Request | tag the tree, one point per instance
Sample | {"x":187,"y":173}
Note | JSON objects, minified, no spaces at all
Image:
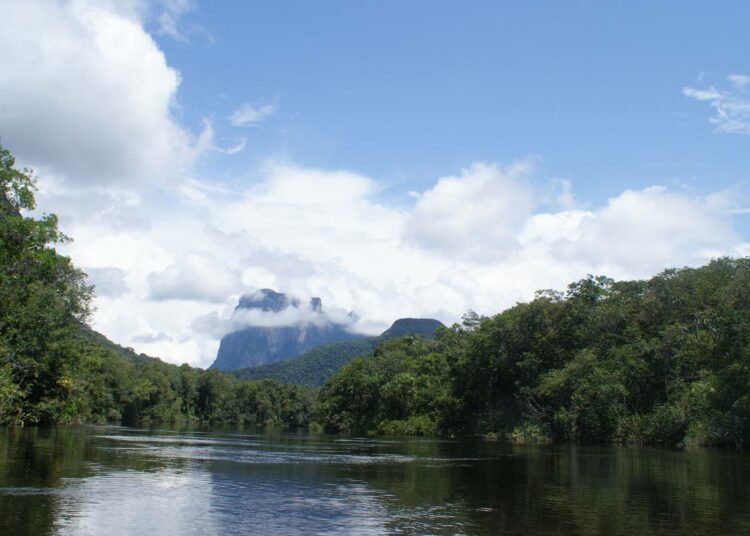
{"x":43,"y":301}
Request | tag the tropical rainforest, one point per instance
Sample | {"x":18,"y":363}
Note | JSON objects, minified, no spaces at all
{"x":662,"y":361}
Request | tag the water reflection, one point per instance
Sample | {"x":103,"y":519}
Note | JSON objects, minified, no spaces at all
{"x":130,"y":481}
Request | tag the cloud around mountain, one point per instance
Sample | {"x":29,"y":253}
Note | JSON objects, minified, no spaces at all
{"x":296,"y":311}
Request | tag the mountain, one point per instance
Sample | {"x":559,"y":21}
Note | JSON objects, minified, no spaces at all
{"x":315,"y":366}
{"x":279,"y":327}
{"x":425,"y":327}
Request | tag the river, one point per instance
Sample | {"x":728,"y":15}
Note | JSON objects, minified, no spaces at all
{"x":117,"y":480}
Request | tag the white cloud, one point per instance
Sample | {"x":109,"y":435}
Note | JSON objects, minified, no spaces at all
{"x":326,"y":233}
{"x":635,"y":234}
{"x":236,"y":148}
{"x":195,"y":276}
{"x":88,"y":95}
{"x":248,"y":113}
{"x":477,"y":214}
{"x":108,"y":281}
{"x":149,"y":338}
{"x":739,"y":81}
{"x":206,"y":141}
{"x":731,"y":106}
{"x":171,"y":12}
{"x":298,"y":313}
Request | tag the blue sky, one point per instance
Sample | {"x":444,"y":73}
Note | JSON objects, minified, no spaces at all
{"x":404,"y":91}
{"x":394,"y":158}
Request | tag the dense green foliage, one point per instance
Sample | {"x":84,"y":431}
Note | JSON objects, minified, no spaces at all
{"x":404,"y":387}
{"x":129,"y":387}
{"x":313,"y":367}
{"x":660,"y":361}
{"x":424,"y":327}
{"x":43,"y":300}
{"x":55,"y":369}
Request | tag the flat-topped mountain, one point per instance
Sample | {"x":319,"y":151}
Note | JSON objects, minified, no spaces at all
{"x":277,"y":327}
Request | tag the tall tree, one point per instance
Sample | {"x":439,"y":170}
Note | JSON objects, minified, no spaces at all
{"x":43,"y":300}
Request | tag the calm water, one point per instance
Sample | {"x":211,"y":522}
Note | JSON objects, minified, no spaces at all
{"x":108,"y":481}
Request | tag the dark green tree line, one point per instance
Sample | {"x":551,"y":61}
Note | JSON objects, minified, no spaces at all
{"x":660,"y":361}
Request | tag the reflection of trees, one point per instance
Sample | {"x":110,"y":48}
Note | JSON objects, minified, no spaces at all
{"x":581,"y":490}
{"x":317,"y":483}
{"x":568,"y":489}
{"x":34,"y":462}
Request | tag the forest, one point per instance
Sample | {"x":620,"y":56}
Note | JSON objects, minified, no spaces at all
{"x":662,"y":361}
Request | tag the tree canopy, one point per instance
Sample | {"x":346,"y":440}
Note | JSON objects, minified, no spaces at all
{"x":660,"y":361}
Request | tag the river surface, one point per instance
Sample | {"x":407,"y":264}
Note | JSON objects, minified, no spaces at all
{"x":113,"y":480}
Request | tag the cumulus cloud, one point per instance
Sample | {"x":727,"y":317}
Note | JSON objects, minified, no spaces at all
{"x":652,"y":228}
{"x":108,"y":281}
{"x":248,"y":113}
{"x":636,"y":233}
{"x":195,"y":276}
{"x":149,"y":338}
{"x":477,"y":214}
{"x":88,"y":95}
{"x":385,"y":261}
{"x":731,"y":105}
{"x":307,"y":231}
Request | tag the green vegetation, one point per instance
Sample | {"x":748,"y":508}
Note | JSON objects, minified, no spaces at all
{"x":424,"y":327}
{"x":313,"y":367}
{"x":662,"y":361}
{"x":54,"y":369}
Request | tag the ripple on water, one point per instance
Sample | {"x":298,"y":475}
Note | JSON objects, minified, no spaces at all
{"x":26,"y":491}
{"x":259,"y":452}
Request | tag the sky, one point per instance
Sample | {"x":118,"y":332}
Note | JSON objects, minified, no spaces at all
{"x":397,"y":159}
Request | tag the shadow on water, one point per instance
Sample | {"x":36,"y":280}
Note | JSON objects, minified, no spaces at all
{"x":105,"y":480}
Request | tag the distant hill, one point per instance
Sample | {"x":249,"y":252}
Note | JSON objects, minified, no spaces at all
{"x":97,"y":339}
{"x":425,"y":327}
{"x":315,"y":366}
{"x":299,"y":327}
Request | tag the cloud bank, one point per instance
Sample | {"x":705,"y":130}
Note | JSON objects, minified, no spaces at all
{"x":300,"y":312}
{"x":330,"y":233}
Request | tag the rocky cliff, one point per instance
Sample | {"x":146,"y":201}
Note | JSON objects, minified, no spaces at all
{"x":279,"y":328}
